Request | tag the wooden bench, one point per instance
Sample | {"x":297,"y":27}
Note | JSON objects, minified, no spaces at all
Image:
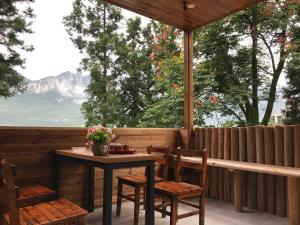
{"x":31,"y":195}
{"x":238,"y":168}
{"x":60,"y":212}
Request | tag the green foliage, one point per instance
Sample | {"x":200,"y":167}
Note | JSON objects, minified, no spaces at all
{"x":243,"y":57}
{"x":93,"y":27}
{"x":15,"y":19}
{"x":137,"y":72}
{"x":292,"y":91}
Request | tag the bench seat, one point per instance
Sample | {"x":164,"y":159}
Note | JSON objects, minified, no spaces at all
{"x":50,"y":213}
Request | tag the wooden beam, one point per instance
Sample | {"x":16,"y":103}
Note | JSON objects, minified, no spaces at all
{"x":188,"y":85}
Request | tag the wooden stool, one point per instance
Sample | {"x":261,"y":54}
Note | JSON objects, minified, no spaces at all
{"x":60,"y":212}
{"x":139,"y":182}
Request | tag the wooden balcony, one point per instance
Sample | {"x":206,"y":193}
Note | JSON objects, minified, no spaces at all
{"x":264,"y":197}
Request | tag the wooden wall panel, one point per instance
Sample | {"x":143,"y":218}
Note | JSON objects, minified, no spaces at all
{"x":31,"y":149}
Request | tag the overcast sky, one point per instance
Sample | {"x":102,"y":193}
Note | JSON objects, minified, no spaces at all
{"x":53,"y":52}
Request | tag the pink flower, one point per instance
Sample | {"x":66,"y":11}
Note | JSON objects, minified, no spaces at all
{"x":213,"y":99}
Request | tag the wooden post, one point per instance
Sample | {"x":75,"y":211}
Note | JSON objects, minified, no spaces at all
{"x":188,"y":85}
{"x":280,"y":181}
{"x":252,"y":178}
{"x":227,"y":152}
{"x":293,"y":201}
{"x":243,"y":158}
{"x":270,"y":159}
{"x":294,"y":183}
{"x":238,"y":191}
{"x":260,"y":158}
{"x":214,"y":171}
{"x":221,"y":170}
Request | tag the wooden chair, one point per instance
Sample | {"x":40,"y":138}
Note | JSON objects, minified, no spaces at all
{"x":177,"y":191}
{"x":138,"y":182}
{"x":60,"y":212}
{"x":31,"y":195}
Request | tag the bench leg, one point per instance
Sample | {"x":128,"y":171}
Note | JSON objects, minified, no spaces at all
{"x":294,"y":201}
{"x":238,"y":191}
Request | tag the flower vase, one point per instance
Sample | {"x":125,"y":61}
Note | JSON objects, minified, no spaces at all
{"x":99,"y":149}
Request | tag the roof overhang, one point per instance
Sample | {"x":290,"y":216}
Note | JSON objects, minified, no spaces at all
{"x":185,"y":14}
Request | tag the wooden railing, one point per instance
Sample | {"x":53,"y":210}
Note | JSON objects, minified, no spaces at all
{"x":31,"y":150}
{"x":279,"y":145}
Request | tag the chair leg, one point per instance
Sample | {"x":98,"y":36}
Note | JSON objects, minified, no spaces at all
{"x":174,"y":211}
{"x":119,"y":198}
{"x":164,"y":208}
{"x":137,"y":203}
{"x":202,"y":209}
{"x":144,"y":198}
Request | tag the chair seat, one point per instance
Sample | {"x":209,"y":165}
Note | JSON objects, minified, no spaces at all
{"x":178,"y":189}
{"x":137,"y":179}
{"x":62,"y":211}
{"x":34,"y":195}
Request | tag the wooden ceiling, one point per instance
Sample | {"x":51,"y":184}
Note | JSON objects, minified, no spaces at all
{"x":172,"y":12}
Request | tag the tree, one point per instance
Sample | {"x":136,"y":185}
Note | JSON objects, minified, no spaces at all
{"x":167,"y":109}
{"x":15,"y":19}
{"x":93,"y":27}
{"x":243,"y":56}
{"x":292,"y":91}
{"x":137,"y":79}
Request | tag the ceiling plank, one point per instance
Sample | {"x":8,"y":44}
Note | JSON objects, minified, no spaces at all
{"x":172,"y":12}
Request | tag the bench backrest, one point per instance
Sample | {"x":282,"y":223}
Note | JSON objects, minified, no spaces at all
{"x":201,"y":167}
{"x":8,"y":203}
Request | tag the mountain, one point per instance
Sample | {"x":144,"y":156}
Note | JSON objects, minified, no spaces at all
{"x":68,"y":85}
{"x":51,"y":101}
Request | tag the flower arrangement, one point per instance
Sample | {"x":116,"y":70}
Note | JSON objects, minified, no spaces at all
{"x":98,"y":138}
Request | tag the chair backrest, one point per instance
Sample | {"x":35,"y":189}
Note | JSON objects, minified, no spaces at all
{"x":8,"y":203}
{"x":163,"y":161}
{"x":180,"y":163}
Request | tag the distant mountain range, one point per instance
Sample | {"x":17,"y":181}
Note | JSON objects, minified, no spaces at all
{"x":51,"y":101}
{"x":56,"y":101}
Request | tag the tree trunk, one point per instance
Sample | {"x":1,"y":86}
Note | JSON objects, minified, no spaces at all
{"x":254,"y":114}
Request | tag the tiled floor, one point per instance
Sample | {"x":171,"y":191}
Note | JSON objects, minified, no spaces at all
{"x":217,"y":213}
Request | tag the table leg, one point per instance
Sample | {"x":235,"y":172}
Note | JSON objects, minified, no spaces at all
{"x":149,"y":219}
{"x":91,"y":177}
{"x":56,"y":172}
{"x":107,"y":196}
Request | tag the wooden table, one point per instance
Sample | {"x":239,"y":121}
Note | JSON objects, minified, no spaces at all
{"x":108,"y":164}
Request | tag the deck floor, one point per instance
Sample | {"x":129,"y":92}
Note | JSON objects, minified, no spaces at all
{"x":217,"y":213}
